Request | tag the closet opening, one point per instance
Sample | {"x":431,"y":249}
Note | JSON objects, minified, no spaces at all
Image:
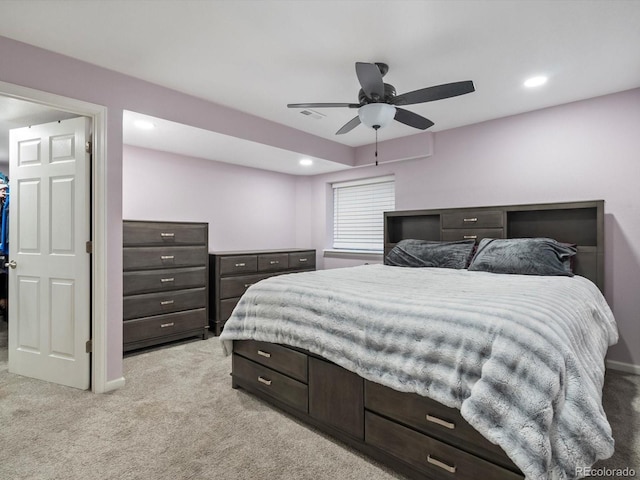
{"x":20,"y":108}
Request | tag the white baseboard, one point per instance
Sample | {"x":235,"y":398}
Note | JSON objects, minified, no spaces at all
{"x":623,"y":367}
{"x":113,"y":384}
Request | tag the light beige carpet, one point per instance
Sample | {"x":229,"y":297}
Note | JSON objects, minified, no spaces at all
{"x":178,"y":418}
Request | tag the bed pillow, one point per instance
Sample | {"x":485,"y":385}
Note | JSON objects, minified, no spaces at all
{"x":423,"y":253}
{"x":524,"y":256}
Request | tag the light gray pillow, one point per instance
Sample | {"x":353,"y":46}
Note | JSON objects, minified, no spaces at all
{"x":423,"y":253}
{"x":524,"y":256}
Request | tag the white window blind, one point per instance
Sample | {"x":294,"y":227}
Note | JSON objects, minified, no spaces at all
{"x":358,"y":206}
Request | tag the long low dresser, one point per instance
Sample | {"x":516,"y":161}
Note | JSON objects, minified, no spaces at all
{"x":165,"y":282}
{"x":232,"y":272}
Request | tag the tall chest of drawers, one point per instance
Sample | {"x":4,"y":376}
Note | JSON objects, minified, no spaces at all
{"x":165,"y":282}
{"x":231,"y":273}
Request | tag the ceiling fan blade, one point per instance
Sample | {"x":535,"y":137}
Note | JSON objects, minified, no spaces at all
{"x":437,"y":92}
{"x":370,"y":80}
{"x":350,"y":125}
{"x":412,"y":119}
{"x":322,"y":105}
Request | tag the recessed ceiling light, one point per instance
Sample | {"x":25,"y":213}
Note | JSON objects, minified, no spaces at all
{"x":144,"y":125}
{"x":535,"y":81}
{"x":306,"y":162}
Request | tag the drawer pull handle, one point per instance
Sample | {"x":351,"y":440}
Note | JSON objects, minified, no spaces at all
{"x":274,"y":262}
{"x":167,"y":257}
{"x":167,"y":302}
{"x":438,"y":463}
{"x":470,"y":220}
{"x":165,"y":280}
{"x":439,"y":421}
{"x":264,"y":354}
{"x":265,"y":381}
{"x":303,"y":260}
{"x":470,"y":237}
{"x":241,"y":264}
{"x":165,"y":325}
{"x":167,"y":235}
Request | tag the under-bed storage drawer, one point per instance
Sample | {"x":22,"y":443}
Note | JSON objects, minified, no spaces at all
{"x":274,"y":356}
{"x":436,"y":459}
{"x":432,"y":418}
{"x":254,"y":376}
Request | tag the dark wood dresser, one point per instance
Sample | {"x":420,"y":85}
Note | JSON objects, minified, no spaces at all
{"x":231,"y":273}
{"x":165,"y":282}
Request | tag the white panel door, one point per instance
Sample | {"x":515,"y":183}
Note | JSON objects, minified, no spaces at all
{"x":49,"y":278}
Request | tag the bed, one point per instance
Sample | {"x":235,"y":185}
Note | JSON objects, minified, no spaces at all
{"x":444,"y":372}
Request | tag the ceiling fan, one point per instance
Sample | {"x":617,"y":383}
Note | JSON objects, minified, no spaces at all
{"x":379,"y":104}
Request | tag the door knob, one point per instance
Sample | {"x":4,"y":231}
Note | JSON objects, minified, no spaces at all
{"x":11,"y":264}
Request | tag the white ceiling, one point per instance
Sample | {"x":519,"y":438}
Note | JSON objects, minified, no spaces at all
{"x":258,"y":55}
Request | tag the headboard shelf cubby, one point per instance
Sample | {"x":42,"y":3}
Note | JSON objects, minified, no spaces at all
{"x":579,"y":223}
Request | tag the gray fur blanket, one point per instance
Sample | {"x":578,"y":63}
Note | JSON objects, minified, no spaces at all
{"x":521,"y":356}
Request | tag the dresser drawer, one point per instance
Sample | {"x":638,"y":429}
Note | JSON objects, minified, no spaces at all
{"x":432,"y":418}
{"x":436,"y":459}
{"x":236,"y":286}
{"x":163,"y":233}
{"x":226,"y":308}
{"x":134,"y":258}
{"x":161,"y":325}
{"x":239,"y":264}
{"x":272,"y":262}
{"x":281,"y":387}
{"x":473,"y":219}
{"x":302,"y":260}
{"x":477,"y":234}
{"x":276,"y":357}
{"x":144,"y":305}
{"x":162,"y":280}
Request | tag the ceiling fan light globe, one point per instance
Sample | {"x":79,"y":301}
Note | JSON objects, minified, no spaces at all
{"x":376,"y":115}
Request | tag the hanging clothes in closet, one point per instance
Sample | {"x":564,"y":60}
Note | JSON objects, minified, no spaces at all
{"x":4,"y":243}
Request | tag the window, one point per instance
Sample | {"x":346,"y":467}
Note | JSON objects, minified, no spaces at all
{"x":358,"y":206}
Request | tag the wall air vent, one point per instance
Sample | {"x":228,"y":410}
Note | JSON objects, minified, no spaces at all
{"x":313,"y":114}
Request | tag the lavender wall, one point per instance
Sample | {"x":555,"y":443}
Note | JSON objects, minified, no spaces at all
{"x":46,"y":71}
{"x":586,"y":150}
{"x":246,"y":208}
{"x":581,"y":151}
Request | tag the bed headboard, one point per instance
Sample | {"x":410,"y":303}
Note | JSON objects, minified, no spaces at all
{"x":580,"y":223}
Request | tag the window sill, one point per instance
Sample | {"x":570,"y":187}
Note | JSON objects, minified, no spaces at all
{"x":333,"y":253}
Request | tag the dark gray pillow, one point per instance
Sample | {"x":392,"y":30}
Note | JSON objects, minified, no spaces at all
{"x":525,"y":256}
{"x":423,"y":253}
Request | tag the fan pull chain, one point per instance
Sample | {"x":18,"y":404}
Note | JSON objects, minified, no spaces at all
{"x":376,"y":147}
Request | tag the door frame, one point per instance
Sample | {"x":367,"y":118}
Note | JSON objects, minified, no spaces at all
{"x":98,"y":115}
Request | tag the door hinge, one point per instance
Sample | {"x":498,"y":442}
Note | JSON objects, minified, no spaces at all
{"x":87,"y":147}
{"x":89,"y":346}
{"x":89,"y":246}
